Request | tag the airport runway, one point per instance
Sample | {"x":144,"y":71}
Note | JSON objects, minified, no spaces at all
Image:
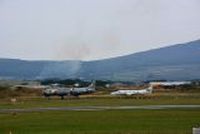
{"x":98,"y":108}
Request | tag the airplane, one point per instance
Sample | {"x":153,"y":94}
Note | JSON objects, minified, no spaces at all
{"x":83,"y":90}
{"x":57,"y":90}
{"x":133,"y":92}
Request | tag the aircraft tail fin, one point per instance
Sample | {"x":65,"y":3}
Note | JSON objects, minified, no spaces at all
{"x":150,"y":89}
{"x":92,"y":85}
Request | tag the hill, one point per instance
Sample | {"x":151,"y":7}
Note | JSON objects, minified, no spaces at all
{"x":176,"y":62}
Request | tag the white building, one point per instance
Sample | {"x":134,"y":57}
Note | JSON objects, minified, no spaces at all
{"x":173,"y":83}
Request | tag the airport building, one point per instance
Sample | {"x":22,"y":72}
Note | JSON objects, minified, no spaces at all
{"x":172,"y":84}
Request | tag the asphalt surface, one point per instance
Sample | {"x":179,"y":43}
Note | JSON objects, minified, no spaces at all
{"x":98,"y":108}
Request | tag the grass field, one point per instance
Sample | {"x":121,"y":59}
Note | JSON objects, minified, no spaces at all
{"x":166,"y":99}
{"x":101,"y":122}
{"x":170,"y":121}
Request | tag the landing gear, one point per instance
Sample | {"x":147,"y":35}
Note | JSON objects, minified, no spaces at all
{"x":62,"y":97}
{"x":47,"y":96}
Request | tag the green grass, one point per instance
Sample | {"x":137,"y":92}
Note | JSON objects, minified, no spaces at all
{"x":172,"y":121}
{"x":56,"y":102}
{"x":102,"y":122}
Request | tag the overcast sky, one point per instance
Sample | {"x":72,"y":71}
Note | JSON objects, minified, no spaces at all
{"x":93,"y":29}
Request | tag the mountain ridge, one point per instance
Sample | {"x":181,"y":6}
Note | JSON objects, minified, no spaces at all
{"x":175,"y":62}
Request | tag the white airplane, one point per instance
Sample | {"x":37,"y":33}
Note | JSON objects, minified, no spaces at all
{"x":133,"y":92}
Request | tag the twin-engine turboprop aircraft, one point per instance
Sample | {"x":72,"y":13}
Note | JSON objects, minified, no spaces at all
{"x":83,"y":90}
{"x":63,"y":91}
